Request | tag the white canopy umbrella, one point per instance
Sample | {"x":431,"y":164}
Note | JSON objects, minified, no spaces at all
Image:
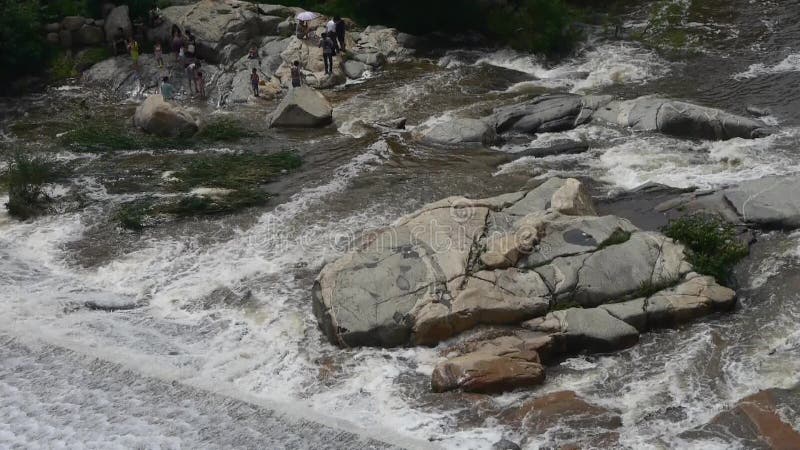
{"x":307,"y":15}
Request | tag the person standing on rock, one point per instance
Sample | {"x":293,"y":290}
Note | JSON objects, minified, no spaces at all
{"x":190,"y":74}
{"x":158,"y":53}
{"x":341,"y":32}
{"x":297,"y":75}
{"x":200,"y":82}
{"x":191,"y":44}
{"x":254,"y":80}
{"x":167,"y":90}
{"x":328,"y":50}
{"x":330,"y":27}
{"x":133,"y":47}
{"x":302,"y":29}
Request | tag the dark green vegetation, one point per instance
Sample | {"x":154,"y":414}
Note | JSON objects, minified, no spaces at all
{"x":712,"y":244}
{"x":616,"y":238}
{"x":237,"y":179}
{"x":544,"y":26}
{"x":97,"y":135}
{"x":25,"y":180}
{"x":23,"y":50}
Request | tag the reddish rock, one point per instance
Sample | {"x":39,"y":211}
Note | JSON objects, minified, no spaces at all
{"x":482,"y":372}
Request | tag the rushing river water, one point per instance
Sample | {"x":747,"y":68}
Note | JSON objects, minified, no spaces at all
{"x":217,"y":311}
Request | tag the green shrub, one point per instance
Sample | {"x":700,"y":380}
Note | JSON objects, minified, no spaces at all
{"x":712,"y":244}
{"x":92,"y":56}
{"x":94,"y":135}
{"x":132,"y":215}
{"x":223,"y":130}
{"x":25,"y":181}
{"x":62,"y":67}
{"x":235,"y":171}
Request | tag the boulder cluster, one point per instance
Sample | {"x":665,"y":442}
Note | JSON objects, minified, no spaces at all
{"x":562,"y":112}
{"x":535,"y":275}
{"x":77,"y":31}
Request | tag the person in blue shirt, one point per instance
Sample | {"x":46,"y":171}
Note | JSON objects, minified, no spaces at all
{"x":167,"y":90}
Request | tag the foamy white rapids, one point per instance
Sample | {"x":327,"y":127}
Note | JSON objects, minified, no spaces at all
{"x":604,"y":65}
{"x":790,"y":64}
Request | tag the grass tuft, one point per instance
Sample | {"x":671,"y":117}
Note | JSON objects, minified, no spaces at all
{"x":25,"y":181}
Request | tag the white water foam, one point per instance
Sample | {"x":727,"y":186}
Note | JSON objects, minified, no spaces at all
{"x":790,"y":64}
{"x":605,"y":65}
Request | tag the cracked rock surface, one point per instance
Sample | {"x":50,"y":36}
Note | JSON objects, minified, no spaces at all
{"x":538,"y":260}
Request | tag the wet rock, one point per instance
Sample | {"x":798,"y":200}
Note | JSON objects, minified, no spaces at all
{"x":354,"y":69}
{"x":548,"y":113}
{"x":564,"y":409}
{"x":757,"y":111}
{"x":302,"y":107}
{"x":394,"y":124}
{"x":592,"y":329}
{"x":52,"y":27}
{"x":371,"y":58}
{"x":458,"y":131}
{"x":757,"y":421}
{"x":158,"y":117}
{"x":565,"y":148}
{"x":117,"y":18}
{"x":486,"y":373}
{"x":770,"y":202}
{"x":680,"y":119}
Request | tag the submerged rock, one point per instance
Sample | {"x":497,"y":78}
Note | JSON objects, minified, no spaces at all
{"x":302,"y":107}
{"x":761,"y":420}
{"x":158,"y":117}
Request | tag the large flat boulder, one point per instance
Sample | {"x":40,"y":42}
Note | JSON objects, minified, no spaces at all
{"x":302,"y":107}
{"x":770,"y":202}
{"x":548,"y":113}
{"x":217,"y":25}
{"x":681,"y":119}
{"x":591,"y":329}
{"x":459,"y":263}
{"x":119,"y":17}
{"x":158,"y":117}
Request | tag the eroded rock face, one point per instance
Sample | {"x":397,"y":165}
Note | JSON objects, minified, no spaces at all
{"x":302,"y":107}
{"x":158,"y":117}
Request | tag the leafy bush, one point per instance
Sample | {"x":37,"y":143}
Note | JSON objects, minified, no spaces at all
{"x":713,"y":247}
{"x":25,"y":180}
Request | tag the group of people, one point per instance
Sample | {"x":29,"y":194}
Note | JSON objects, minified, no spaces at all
{"x":332,"y":40}
{"x":184,"y":46}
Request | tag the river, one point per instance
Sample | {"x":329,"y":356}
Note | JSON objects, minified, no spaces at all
{"x":215,"y":324}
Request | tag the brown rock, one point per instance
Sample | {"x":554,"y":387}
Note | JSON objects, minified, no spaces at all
{"x":755,"y":421}
{"x":487,"y":373}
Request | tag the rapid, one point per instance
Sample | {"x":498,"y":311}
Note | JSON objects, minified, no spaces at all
{"x":212,"y":343}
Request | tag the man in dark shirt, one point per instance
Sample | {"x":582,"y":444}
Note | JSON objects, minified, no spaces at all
{"x":341,"y":30}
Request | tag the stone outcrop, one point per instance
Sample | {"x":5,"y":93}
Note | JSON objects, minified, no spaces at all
{"x":302,"y":107}
{"x":216,"y":25}
{"x":560,"y":112}
{"x":457,"y":131}
{"x":119,"y":17}
{"x":158,"y":117}
{"x":540,"y":260}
